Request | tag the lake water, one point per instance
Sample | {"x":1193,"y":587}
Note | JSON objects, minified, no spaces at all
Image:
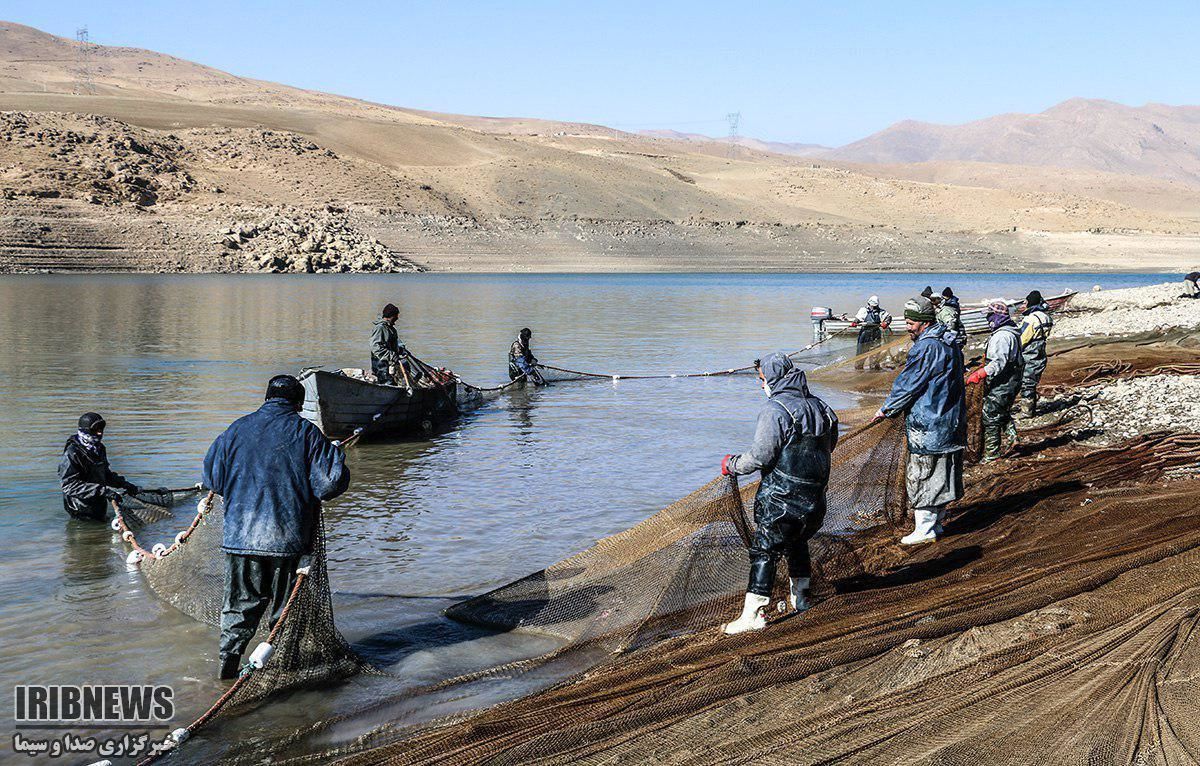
{"x":528,"y":479}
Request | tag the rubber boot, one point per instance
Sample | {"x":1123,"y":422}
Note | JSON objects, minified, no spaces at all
{"x":991,"y":443}
{"x":231,"y":665}
{"x":798,"y":594}
{"x":924,"y":528}
{"x":752,"y":615}
{"x":1010,"y":433}
{"x":1029,"y":406}
{"x":937,"y":527}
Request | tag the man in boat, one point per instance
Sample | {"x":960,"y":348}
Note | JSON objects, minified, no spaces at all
{"x":1001,"y":375}
{"x":389,"y":357}
{"x":88,"y":483}
{"x":273,"y":468}
{"x":929,"y":393}
{"x":1191,"y":285}
{"x":521,"y":361}
{"x":1035,"y":331}
{"x":949,"y":315}
{"x":871,"y":321}
{"x":795,"y":435}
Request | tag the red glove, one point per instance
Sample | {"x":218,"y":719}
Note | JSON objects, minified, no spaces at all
{"x":854,"y":323}
{"x":976,"y":376}
{"x":886,"y":325}
{"x":725,"y":465}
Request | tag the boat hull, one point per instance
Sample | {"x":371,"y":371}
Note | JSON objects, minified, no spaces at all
{"x":339,"y":404}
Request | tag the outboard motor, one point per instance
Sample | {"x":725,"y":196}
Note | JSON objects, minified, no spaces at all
{"x":820,"y":314}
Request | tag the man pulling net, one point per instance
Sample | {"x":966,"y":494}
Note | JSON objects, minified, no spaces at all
{"x":521,"y":361}
{"x":272,"y":468}
{"x":87,"y":481}
{"x":795,"y":435}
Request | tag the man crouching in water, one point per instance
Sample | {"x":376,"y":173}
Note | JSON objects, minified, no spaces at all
{"x":795,"y":435}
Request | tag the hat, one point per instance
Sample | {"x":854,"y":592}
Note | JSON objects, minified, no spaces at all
{"x":1034,"y":298}
{"x":91,"y":422}
{"x":927,"y":292}
{"x":947,"y":292}
{"x":997,"y":307}
{"x":873,"y":301}
{"x":389,"y":311}
{"x":919,"y":309}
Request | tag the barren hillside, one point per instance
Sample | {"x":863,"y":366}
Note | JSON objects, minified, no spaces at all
{"x":172,"y":165}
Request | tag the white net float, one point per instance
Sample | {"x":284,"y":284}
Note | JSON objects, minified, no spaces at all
{"x":134,"y":558}
{"x":158,"y":550}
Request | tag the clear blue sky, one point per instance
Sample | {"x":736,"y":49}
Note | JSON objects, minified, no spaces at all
{"x":827,"y":72}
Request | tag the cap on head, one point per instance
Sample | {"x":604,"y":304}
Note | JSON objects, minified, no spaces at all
{"x":998,"y":308}
{"x":286,"y":387}
{"x":919,"y":309}
{"x":947,"y":292}
{"x":389,"y":311}
{"x":927,"y":292}
{"x":526,"y":332}
{"x":1034,"y":298}
{"x":873,"y":301}
{"x":91,"y":422}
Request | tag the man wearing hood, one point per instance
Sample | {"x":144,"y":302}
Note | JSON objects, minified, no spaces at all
{"x":1001,"y":374}
{"x":949,"y":315}
{"x":795,"y":435}
{"x":1035,"y":331}
{"x":929,"y":392}
{"x":1191,"y":285}
{"x":521,"y":361}
{"x":88,"y":484}
{"x":388,"y":354}
{"x":273,"y":469}
{"x":871,"y":321}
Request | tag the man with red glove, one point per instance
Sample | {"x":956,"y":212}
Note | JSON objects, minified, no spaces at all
{"x":795,"y":435}
{"x":1001,"y":375}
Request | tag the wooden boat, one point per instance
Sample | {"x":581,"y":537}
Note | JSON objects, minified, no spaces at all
{"x":974,"y":318}
{"x":339,"y":403}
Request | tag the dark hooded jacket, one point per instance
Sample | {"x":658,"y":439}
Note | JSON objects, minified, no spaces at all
{"x":273,"y":468}
{"x":930,"y":392}
{"x":85,"y":476}
{"x":795,"y":435}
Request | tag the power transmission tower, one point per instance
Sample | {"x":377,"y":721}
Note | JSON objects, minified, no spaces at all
{"x":84,"y":86}
{"x":733,"y":118}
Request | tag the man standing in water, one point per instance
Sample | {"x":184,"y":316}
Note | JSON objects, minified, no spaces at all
{"x":871,"y":321}
{"x":1001,"y":375}
{"x":273,"y":468}
{"x":521,"y":361}
{"x":387,"y":352}
{"x":1035,"y":331}
{"x":795,"y":435}
{"x":929,"y":392}
{"x":88,"y":484}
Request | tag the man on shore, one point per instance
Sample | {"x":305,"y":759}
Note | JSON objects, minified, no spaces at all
{"x":1001,"y":375}
{"x":795,"y":435}
{"x":871,"y":320}
{"x":1035,"y":331}
{"x":929,"y":392}
{"x":949,"y":315}
{"x":273,"y":468}
{"x":521,"y":361}
{"x":1191,"y":285}
{"x":88,"y":483}
{"x":388,"y":354}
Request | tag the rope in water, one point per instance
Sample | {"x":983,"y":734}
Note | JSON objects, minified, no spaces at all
{"x":666,"y":376}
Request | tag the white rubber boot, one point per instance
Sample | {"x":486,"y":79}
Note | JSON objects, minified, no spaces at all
{"x":752,"y":615}
{"x":798,"y":595}
{"x":924,"y":530}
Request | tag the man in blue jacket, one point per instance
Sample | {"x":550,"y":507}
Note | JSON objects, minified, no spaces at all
{"x":272,"y":468}
{"x":795,"y":435}
{"x":929,"y":392}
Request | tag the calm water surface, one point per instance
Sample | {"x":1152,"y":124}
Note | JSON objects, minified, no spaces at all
{"x":535,"y":476}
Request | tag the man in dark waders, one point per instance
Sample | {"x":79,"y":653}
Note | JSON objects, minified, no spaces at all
{"x":273,"y":468}
{"x":929,"y":393}
{"x":1035,"y":331}
{"x":871,"y":321}
{"x":389,"y":360}
{"x":795,"y":435}
{"x":1001,"y":375}
{"x":88,"y":484}
{"x":1191,"y":285}
{"x":521,"y":361}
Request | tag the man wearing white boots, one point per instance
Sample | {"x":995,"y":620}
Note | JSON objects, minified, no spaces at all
{"x":929,"y":391}
{"x":795,"y":435}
